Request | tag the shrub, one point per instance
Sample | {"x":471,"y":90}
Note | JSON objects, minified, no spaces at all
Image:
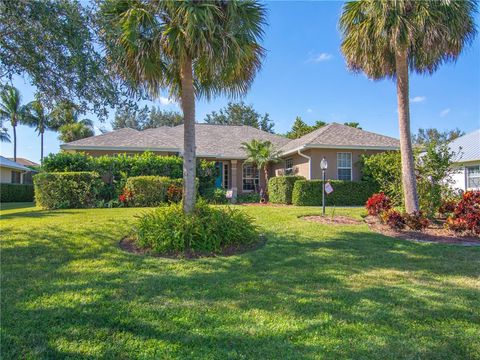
{"x":377,"y":204}
{"x":393,"y":219}
{"x":447,"y":207}
{"x":215,"y":196}
{"x":175,"y":191}
{"x":416,"y":220}
{"x":151,"y":190}
{"x":466,"y":213}
{"x":208,"y":230}
{"x":248,"y":198}
{"x":16,"y":193}
{"x":280,"y":188}
{"x":346,"y":193}
{"x":67,"y":190}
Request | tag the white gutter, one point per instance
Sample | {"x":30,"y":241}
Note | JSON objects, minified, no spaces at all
{"x":118,"y":148}
{"x":309,"y":163}
{"x":313,"y":146}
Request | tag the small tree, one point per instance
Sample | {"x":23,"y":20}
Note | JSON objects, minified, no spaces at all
{"x":261,"y":154}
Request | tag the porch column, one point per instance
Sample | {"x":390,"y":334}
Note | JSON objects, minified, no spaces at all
{"x":234,"y":180}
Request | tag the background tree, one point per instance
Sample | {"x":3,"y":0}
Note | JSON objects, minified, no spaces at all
{"x":353,"y":124}
{"x":193,"y":48}
{"x":52,"y":42}
{"x":11,"y":110}
{"x":240,"y":114}
{"x":65,"y":118}
{"x":76,"y":131}
{"x":300,"y":128}
{"x":159,"y":117}
{"x":4,"y":135}
{"x":389,"y":38}
{"x":426,"y":136}
{"x":261,"y":154}
{"x":35,"y":115}
{"x":145,"y":118}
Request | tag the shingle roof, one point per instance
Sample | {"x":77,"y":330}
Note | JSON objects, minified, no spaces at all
{"x":467,"y":146}
{"x":25,"y":162}
{"x":338,"y":135}
{"x":225,"y":141}
{"x":4,"y":162}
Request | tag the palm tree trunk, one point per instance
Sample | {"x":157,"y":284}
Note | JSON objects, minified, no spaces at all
{"x":14,"y":143}
{"x":408,"y":167}
{"x":189,"y":159}
{"x":41,"y":147}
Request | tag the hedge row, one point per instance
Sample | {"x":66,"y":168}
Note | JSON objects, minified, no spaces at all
{"x":153,"y":190}
{"x":280,"y":188}
{"x":67,"y":190}
{"x":346,"y":193}
{"x":16,"y":193}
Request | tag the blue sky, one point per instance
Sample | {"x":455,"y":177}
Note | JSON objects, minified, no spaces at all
{"x":304,"y":74}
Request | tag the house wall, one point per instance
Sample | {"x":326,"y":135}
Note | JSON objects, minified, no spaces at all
{"x":459,"y":178}
{"x":5,"y":175}
{"x":300,"y":166}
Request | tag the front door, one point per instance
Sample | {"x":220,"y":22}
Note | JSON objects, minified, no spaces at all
{"x":219,"y":179}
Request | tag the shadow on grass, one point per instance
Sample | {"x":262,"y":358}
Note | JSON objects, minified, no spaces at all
{"x":355,"y":294}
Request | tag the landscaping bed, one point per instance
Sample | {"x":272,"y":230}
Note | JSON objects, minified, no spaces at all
{"x":332,"y":220}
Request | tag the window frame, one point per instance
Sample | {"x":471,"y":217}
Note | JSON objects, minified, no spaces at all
{"x":15,"y":172}
{"x":468,"y":176}
{"x":250,"y":177}
{"x":226,"y":175}
{"x":345,"y":167}
{"x":288,"y":170}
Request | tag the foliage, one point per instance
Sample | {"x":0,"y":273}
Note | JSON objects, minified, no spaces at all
{"x":67,"y":190}
{"x":65,"y":162}
{"x":393,"y":219}
{"x":215,"y":196}
{"x":416,"y":220}
{"x":466,"y":216}
{"x":280,"y":188}
{"x":175,"y":191}
{"x":447,"y":207}
{"x":75,"y":131}
{"x":353,"y":124}
{"x":11,"y":111}
{"x":248,"y":198}
{"x":424,"y":137}
{"x":4,"y":135}
{"x":52,"y":43}
{"x":378,"y":204}
{"x":240,"y":114}
{"x":145,"y":118}
{"x":300,"y":128}
{"x":207,"y":230}
{"x":146,"y":190}
{"x":16,"y":193}
{"x":346,"y":193}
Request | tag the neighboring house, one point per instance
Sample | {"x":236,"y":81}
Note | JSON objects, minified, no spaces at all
{"x":33,"y":167}
{"x":12,"y":172}
{"x":468,"y":163}
{"x":341,"y":145}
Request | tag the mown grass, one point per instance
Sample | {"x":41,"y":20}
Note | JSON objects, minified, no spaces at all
{"x":312,"y":292}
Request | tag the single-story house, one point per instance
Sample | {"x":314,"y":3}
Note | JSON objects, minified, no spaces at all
{"x":467,"y":164}
{"x":341,"y":145}
{"x":28,"y":177}
{"x":12,"y":172}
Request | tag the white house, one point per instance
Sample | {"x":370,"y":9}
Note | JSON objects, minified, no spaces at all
{"x":468,"y":164}
{"x":12,"y":172}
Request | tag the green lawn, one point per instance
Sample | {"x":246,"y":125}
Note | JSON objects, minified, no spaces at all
{"x":312,"y":292}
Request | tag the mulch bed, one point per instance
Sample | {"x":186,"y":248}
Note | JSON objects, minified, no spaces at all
{"x":434,"y":233}
{"x":128,"y":244}
{"x":336,"y":220}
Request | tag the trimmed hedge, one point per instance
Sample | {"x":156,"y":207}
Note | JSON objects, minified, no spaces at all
{"x":16,"y":193}
{"x":280,"y":188}
{"x":149,"y":190}
{"x":346,"y":193}
{"x":67,"y":190}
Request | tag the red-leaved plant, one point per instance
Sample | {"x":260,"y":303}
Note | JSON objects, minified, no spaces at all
{"x":416,"y":220}
{"x":126,"y":196}
{"x":174,"y":193}
{"x":393,"y":219}
{"x":466,"y":216}
{"x":378,"y":204}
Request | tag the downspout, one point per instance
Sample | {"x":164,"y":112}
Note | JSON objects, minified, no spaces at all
{"x":309,"y":163}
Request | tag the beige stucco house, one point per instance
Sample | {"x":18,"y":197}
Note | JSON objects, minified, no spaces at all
{"x":341,"y":145}
{"x":12,"y":172}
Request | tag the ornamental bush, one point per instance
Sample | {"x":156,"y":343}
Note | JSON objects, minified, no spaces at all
{"x":248,"y":198}
{"x":377,"y":204}
{"x":466,"y":216}
{"x":393,"y":219}
{"x":416,"y":220}
{"x":215,"y":196}
{"x":280,"y":188}
{"x":16,"y":193}
{"x":146,"y":190}
{"x":67,"y":190}
{"x":346,"y":193}
{"x":208,"y":230}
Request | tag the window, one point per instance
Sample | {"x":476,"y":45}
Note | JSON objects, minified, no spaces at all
{"x":344,"y":166}
{"x":226,"y":177}
{"x":250,"y":177}
{"x":289,"y":166}
{"x":16,"y":177}
{"x":473,"y":177}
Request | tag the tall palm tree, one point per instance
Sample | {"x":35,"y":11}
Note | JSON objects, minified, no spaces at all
{"x":11,"y":110}
{"x":4,"y":136}
{"x":389,"y":38}
{"x":193,"y":48}
{"x":34,"y":115}
{"x":261,"y":154}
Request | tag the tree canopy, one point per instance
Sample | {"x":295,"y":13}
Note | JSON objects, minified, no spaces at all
{"x":145,"y":118}
{"x":300,"y":128}
{"x":424,"y":137}
{"x":240,"y":114}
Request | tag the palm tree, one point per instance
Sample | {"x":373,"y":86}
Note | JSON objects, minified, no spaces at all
{"x":34,"y":115}
{"x":76,"y":131}
{"x":4,"y":136}
{"x":64,"y":118}
{"x":192,"y":48}
{"x":389,"y":38}
{"x":11,"y":110}
{"x":261,"y":154}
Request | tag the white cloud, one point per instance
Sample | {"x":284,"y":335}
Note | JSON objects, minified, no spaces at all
{"x":166,"y":101}
{"x":418,"y":99}
{"x":309,"y":110}
{"x":316,"y":58}
{"x":444,"y":112}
